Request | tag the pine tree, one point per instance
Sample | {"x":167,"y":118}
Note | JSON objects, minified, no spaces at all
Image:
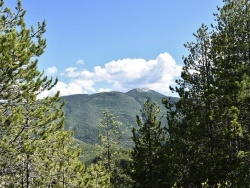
{"x":147,"y":155}
{"x":97,"y":176}
{"x":65,"y":169}
{"x":231,"y":48}
{"x":31,"y":130}
{"x":209,"y":125}
{"x":191,"y":134}
{"x":109,"y":148}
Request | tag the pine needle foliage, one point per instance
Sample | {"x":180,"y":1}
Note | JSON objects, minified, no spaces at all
{"x":34,"y":147}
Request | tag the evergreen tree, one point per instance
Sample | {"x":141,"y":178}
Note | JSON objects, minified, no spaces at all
{"x":32,"y":135}
{"x":109,"y":149}
{"x":209,"y":125}
{"x":97,"y":176}
{"x":191,"y":134}
{"x":148,"y":169}
{"x":230,"y":51}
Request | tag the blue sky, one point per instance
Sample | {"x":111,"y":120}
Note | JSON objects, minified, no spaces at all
{"x":103,"y":45}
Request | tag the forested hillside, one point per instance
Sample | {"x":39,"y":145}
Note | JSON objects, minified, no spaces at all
{"x":84,"y":112}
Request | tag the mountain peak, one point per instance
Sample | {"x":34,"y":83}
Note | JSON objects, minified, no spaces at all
{"x":142,"y":89}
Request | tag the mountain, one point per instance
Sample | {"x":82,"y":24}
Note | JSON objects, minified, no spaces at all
{"x":84,"y":112}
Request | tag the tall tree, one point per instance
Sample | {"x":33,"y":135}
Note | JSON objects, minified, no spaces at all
{"x":31,"y":130}
{"x":231,"y":48}
{"x":208,"y":126}
{"x":147,"y":155}
{"x":191,"y":140}
{"x":109,"y":148}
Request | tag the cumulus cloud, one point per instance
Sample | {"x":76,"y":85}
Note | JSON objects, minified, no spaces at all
{"x":123,"y":75}
{"x":74,"y":87}
{"x":51,"y":71}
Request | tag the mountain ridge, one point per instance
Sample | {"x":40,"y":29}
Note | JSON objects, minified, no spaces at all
{"x":84,"y":112}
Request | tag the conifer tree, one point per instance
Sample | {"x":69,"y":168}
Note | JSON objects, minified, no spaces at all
{"x":109,"y":148}
{"x":191,"y":134}
{"x":97,"y":176}
{"x":231,"y":50}
{"x":148,"y":169}
{"x":31,"y":131}
{"x":209,"y":125}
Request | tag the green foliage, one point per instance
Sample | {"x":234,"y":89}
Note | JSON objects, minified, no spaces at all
{"x":209,"y":126}
{"x":34,"y":147}
{"x":148,"y":168}
{"x":110,"y":137}
{"x":109,"y":151}
{"x":97,"y":176}
{"x":88,"y":151}
{"x":83,"y":113}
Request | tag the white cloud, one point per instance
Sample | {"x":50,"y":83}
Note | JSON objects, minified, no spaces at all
{"x":80,"y":62}
{"x":51,"y":71}
{"x":70,"y":72}
{"x":127,"y":74}
{"x":123,"y":75}
{"x":74,"y":87}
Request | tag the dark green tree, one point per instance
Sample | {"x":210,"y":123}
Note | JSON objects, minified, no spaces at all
{"x":231,"y":48}
{"x":191,"y":134}
{"x":209,"y":125}
{"x":147,"y":165}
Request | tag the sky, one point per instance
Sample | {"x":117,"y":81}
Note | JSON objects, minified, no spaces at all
{"x":116,"y":45}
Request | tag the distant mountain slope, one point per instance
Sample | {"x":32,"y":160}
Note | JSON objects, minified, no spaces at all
{"x":84,"y":112}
